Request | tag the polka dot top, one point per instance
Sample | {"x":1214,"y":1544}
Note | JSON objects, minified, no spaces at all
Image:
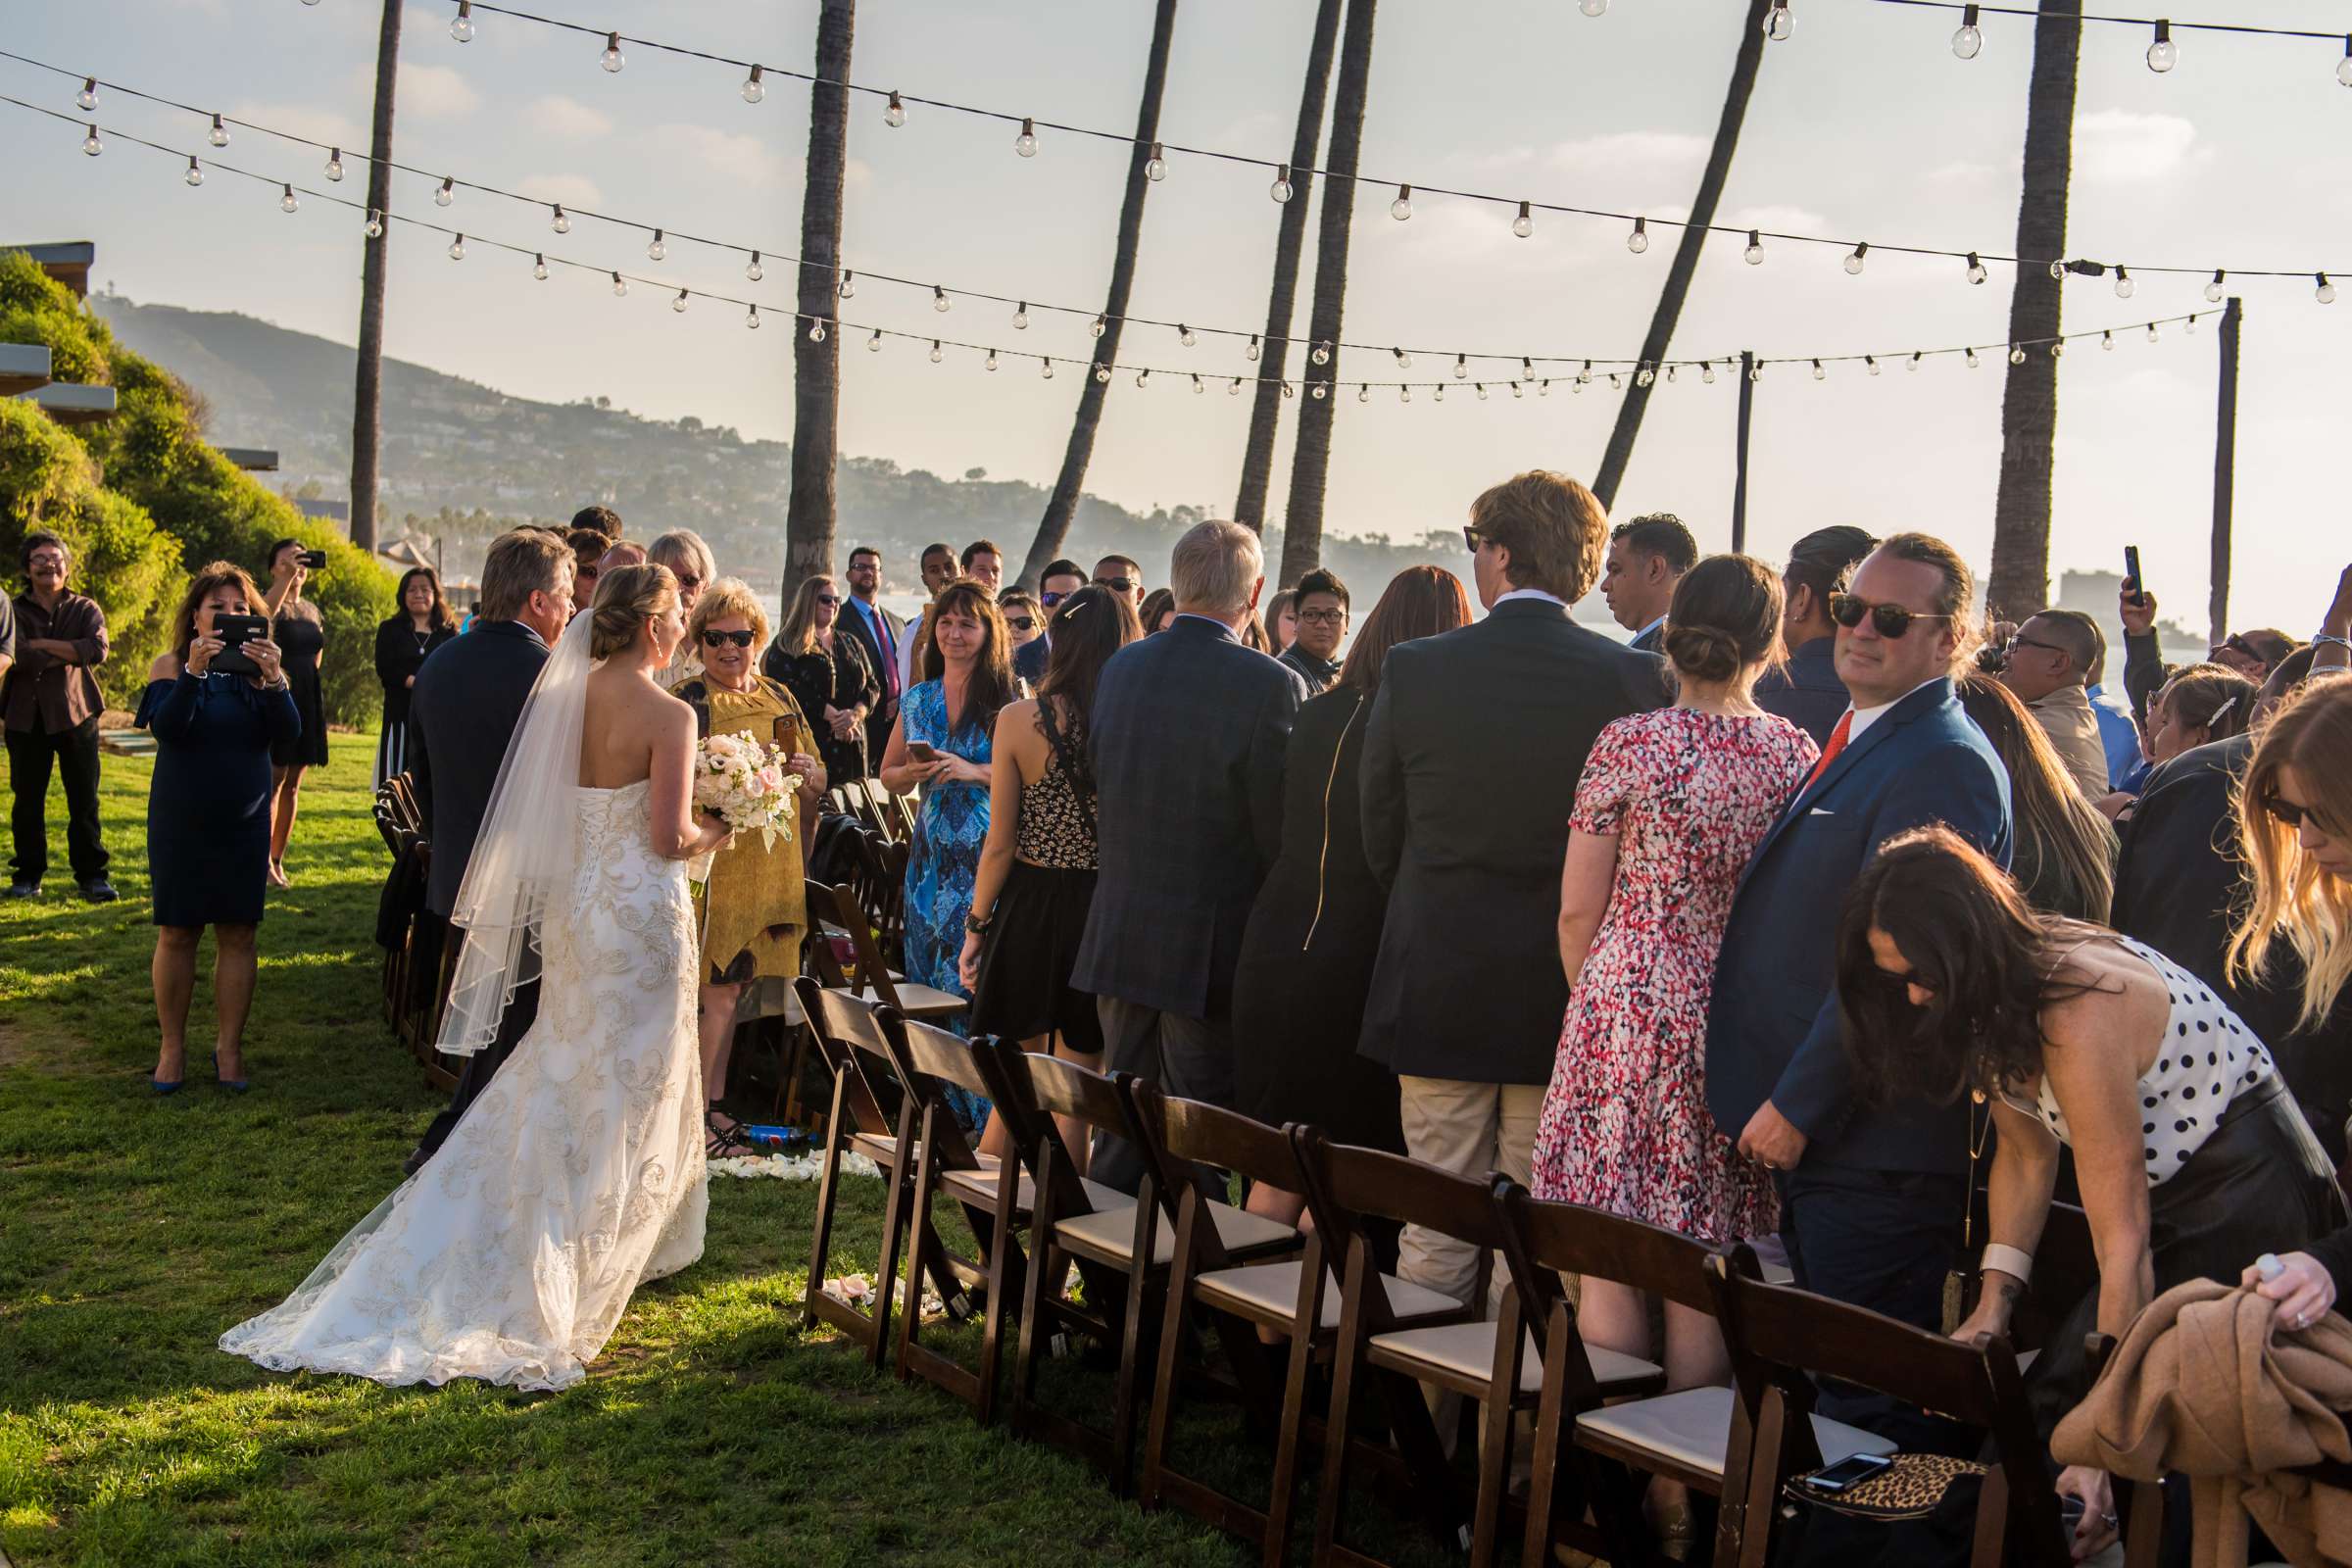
{"x":2208,"y":1057}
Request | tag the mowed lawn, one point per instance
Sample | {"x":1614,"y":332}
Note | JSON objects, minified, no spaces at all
{"x":134,"y":1229}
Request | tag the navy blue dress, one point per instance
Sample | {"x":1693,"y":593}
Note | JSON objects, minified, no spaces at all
{"x":207,"y":807}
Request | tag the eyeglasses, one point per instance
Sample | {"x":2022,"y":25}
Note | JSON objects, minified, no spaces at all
{"x":1891,"y":621}
{"x":1117,"y":585}
{"x":1021,"y":623}
{"x":1049,"y":599}
{"x":687,"y":579}
{"x":2234,"y":644}
{"x":720,"y":639}
{"x":1322,"y":617}
{"x":1472,"y":537}
{"x":828,"y":598}
{"x":2016,"y":643}
{"x":2293,"y":817}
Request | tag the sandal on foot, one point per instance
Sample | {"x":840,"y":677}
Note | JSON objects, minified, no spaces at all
{"x":724,"y":1143}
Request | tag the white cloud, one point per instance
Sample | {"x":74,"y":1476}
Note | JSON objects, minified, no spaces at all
{"x":435,"y":93}
{"x":301,"y":119}
{"x":571,"y":190}
{"x":568,"y":117}
{"x":742,"y":158}
{"x":2118,"y":144}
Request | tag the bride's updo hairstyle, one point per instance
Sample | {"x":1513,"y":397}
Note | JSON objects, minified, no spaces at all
{"x":626,"y":598}
{"x":1725,"y":616}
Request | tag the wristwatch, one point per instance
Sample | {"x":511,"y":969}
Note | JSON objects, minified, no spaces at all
{"x":978,"y":926}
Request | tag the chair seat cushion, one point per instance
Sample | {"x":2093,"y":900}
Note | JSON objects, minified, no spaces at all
{"x":915,"y":1000}
{"x":980,"y":1186}
{"x":1692,"y":1427}
{"x":1108,"y":1235}
{"x":882,"y":1149}
{"x":1273,"y":1288}
{"x":1467,"y":1351}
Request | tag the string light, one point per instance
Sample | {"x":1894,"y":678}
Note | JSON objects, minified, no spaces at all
{"x":2151,"y":331}
{"x":751,"y":321}
{"x":873,"y":345}
{"x":753,"y":273}
{"x":1155,"y":167}
{"x":1975,"y":269}
{"x":539,"y":268}
{"x":1363,"y":392}
{"x":1972,"y":359}
{"x":1403,"y":207}
{"x":1439,"y":395}
{"x":1020,"y":317}
{"x":1776,"y":23}
{"x":562,"y":223}
{"x":1819,"y":374}
{"x":1184,"y":335}
{"x":2058,"y":346}
{"x":1869,"y":363}
{"x":1046,"y":370}
{"x":1142,"y":376}
{"x":621,"y":285}
{"x":456,"y":249}
{"x":1026,"y":142}
{"x":936,"y":355}
{"x":816,"y":327}
{"x":1280,"y":190}
{"x":2213,"y":290}
{"x":894,"y":113}
{"x":375,"y":220}
{"x":754,"y":89}
{"x":940,"y":300}
{"x":1461,"y":367}
{"x":86,"y":100}
{"x":680,"y":304}
{"x":1970,"y":38}
{"x":1754,"y":254}
{"x":1585,"y":375}
{"x":218,"y":134}
{"x":610,"y":59}
{"x":448,"y":192}
{"x":90,"y":144}
{"x":1098,"y":327}
{"x":2125,"y":288}
{"x":1644,"y":377}
{"x":287,"y":202}
{"x":1593,"y":8}
{"x":1517,"y":390}
{"x":847,"y":288}
{"x":1287,"y":390}
{"x":2163,"y":54}
{"x":2017,"y":355}
{"x":658,"y":248}
{"x":1321,"y":353}
{"x":1913,"y":362}
{"x":1250,"y":348}
{"x":334,"y":165}
{"x":1524,"y":224}
{"x":1234,"y":389}
{"x":1197,"y":386}
{"x":990,"y":362}
{"x":2344,"y":66}
{"x":2326,"y":292}
{"x":1319,"y":391}
{"x":1854,"y":262}
{"x":1405,"y":361}
{"x":1706,"y":373}
{"x":1638,"y":240}
{"x":1404,"y":394}
{"x":1103,"y":374}
{"x":195,"y":173}
{"x":461,"y":28}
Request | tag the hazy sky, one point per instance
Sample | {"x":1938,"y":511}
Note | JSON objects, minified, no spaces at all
{"x":1863,"y":125}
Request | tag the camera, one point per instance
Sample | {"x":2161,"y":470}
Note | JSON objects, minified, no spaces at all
{"x":313,"y":559}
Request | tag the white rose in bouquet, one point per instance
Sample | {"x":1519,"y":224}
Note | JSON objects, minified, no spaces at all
{"x":744,"y":782}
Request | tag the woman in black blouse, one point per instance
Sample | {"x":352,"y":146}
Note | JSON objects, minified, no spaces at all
{"x":828,"y":674}
{"x":297,"y":629}
{"x":422,"y":623}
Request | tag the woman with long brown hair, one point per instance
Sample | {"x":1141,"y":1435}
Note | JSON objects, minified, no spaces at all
{"x":422,"y":623}
{"x":2064,"y":862}
{"x":1314,"y":932}
{"x":825,"y":666}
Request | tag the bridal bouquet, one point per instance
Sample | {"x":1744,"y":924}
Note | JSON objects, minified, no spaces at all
{"x":743,"y":781}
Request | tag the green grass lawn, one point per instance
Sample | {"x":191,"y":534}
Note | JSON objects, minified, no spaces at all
{"x":134,"y":1229}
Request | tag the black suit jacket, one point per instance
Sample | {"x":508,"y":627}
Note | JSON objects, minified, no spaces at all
{"x":1029,"y":661}
{"x":463,"y":711}
{"x":1471,"y":758}
{"x":1651,"y":640}
{"x":885,"y":710}
{"x":1187,"y":737}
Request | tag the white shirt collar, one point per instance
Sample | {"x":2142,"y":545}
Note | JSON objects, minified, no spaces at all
{"x":1528,"y":593}
{"x":1864,"y":718}
{"x":1653,"y":626}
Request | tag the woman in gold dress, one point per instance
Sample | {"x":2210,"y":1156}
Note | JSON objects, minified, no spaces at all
{"x":755,"y":906}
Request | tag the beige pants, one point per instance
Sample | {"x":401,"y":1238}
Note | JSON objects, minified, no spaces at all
{"x":1469,"y":1129}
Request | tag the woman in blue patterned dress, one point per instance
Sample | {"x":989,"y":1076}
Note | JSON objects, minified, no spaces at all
{"x":951,"y":715}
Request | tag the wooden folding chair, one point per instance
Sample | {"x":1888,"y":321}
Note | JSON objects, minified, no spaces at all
{"x":872,"y":979}
{"x":1781,"y":1339}
{"x":1297,"y":1297}
{"x":1490,"y":1363}
{"x":1588,"y":1454}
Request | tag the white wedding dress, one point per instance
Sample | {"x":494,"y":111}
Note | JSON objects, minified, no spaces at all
{"x":577,"y":1175}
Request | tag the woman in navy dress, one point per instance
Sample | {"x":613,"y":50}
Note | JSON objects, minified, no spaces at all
{"x":301,"y":636}
{"x":208,"y":814}
{"x":967,"y":676}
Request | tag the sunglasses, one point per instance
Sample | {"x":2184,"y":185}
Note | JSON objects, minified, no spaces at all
{"x":1117,"y":585}
{"x":687,"y":579}
{"x":1889,"y":620}
{"x":1021,"y":623}
{"x":2232,"y":644}
{"x":1472,"y":537}
{"x":720,"y":639}
{"x":1050,"y":600}
{"x":828,"y":598}
{"x":2290,"y":815}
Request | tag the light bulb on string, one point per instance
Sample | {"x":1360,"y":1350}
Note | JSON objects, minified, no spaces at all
{"x":1199,"y":386}
{"x":1404,"y":394}
{"x":1026,"y":142}
{"x":218,"y":134}
{"x":1576,"y":388}
{"x":2151,"y":331}
{"x":90,"y":144}
{"x":1525,"y":224}
{"x":754,"y":89}
{"x":894,"y":113}
{"x":1870,"y":363}
{"x":1706,"y":373}
{"x":2190,"y":325}
{"x":460,"y":28}
{"x":1593,"y":8}
{"x":539,"y":268}
{"x":751,"y":322}
{"x":1280,"y":189}
{"x":753,"y":271}
{"x":1819,"y":374}
{"x":1754,"y":254}
{"x":1970,"y":38}
{"x":1755,"y":372}
{"x":873,"y":345}
{"x":938,"y":298}
{"x":2213,"y":290}
{"x":1186,"y":336}
{"x":2057,"y":272}
{"x":1155,"y":167}
{"x":1405,"y":361}
{"x":621,"y":285}
{"x":1044,"y":369}
{"x":610,"y":59}
{"x":656,"y":248}
{"x":1584,"y":373}
{"x":1776,"y":23}
{"x":1103,"y":374}
{"x":1972,"y":358}
{"x":1142,"y":376}
{"x":848,"y":287}
{"x":2344,"y":66}
{"x":1544,"y":387}
{"x":1403,"y":207}
{"x":990,"y":362}
{"x":1913,"y":362}
{"x":286,"y":203}
{"x":456,"y":249}
{"x":375,"y":222}
{"x":1461,"y":367}
{"x":86,"y":100}
{"x":1287,"y":390}
{"x":1020,"y":317}
{"x":2125,"y":288}
{"x":1363,"y":392}
{"x":1250,"y":348}
{"x":1527,"y":368}
{"x":816,"y":327}
{"x":1518,"y":390}
{"x":2017,"y":355}
{"x":937,"y":354}
{"x":1439,"y":394}
{"x":195,"y":173}
{"x":680,"y":304}
{"x":1975,"y":269}
{"x":1098,"y":327}
{"x":1234,"y":390}
{"x":1853,"y":261}
{"x":1638,"y":240}
{"x":1615,"y":385}
{"x":1320,"y":354}
{"x":2058,"y":348}
{"x":447,"y":191}
{"x":2326,"y":292}
{"x":2163,"y":54}
{"x":562,"y":222}
{"x":334,"y":164}
{"x":1644,"y":377}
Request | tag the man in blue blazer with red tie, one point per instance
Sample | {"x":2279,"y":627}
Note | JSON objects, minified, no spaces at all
{"x":1873,"y":1196}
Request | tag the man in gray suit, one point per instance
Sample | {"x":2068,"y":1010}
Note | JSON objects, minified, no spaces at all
{"x":1187,"y":737}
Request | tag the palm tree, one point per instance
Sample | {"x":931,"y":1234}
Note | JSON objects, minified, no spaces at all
{"x":368,"y":392}
{"x":809,"y":516}
{"x":1265,"y":407}
{"x":1054,"y":526}
{"x":2020,"y":581}
{"x":1620,"y":450}
{"x":1310,"y":461}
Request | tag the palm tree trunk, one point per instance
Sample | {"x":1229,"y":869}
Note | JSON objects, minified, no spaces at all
{"x":809,"y":516}
{"x":1054,"y":526}
{"x":367,"y":391}
{"x":1265,"y":407}
{"x":1310,"y":461}
{"x":2020,"y":581}
{"x":1620,"y":450}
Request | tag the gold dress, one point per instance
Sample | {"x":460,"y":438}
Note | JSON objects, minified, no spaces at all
{"x":756,"y":904}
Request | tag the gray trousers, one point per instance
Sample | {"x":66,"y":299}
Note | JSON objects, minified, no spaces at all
{"x":1192,"y":1059}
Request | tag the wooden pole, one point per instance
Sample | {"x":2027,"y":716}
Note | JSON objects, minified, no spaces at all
{"x":2224,"y":469}
{"x":1748,"y":411}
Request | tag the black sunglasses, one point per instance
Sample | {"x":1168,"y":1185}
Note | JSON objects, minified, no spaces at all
{"x":1117,"y":585}
{"x":1021,"y":623}
{"x":1049,"y":599}
{"x":1471,"y":537}
{"x":2291,"y":815}
{"x":1891,"y":621}
{"x":828,"y":598}
{"x":719,"y":639}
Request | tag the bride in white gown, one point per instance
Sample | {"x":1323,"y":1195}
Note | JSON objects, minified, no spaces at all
{"x":578,"y":1174}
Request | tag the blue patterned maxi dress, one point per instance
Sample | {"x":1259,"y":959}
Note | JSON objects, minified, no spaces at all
{"x":944,"y":861}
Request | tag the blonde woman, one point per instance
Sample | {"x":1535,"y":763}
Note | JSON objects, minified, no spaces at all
{"x":826,"y":669}
{"x":755,"y":903}
{"x":694,"y":567}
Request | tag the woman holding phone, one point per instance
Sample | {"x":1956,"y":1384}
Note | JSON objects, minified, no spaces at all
{"x":208,"y":807}
{"x":296,"y":629}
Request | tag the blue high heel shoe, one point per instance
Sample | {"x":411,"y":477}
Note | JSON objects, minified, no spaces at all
{"x":162,"y":1087}
{"x":235,"y":1086}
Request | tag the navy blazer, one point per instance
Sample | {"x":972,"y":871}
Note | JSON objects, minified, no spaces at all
{"x":1187,"y":737}
{"x":1772,"y":1024}
{"x":1806,"y":691}
{"x":468,"y":697}
{"x":1029,"y":661}
{"x":1471,"y":755}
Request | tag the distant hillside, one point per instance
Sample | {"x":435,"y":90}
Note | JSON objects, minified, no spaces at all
{"x":456,"y":445}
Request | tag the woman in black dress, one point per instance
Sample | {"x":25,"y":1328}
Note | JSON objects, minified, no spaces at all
{"x":301,"y":637}
{"x":828,"y":674}
{"x":423,"y":622}
{"x":1307,"y":954}
{"x":208,"y":814}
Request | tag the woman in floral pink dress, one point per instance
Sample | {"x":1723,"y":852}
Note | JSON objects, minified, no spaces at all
{"x":1670,"y":807}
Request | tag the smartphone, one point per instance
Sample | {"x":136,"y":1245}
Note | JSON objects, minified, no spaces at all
{"x":1848,"y":1472}
{"x":234,"y":632}
{"x":922,"y":752}
{"x":2132,"y":572}
{"x":313,"y":559}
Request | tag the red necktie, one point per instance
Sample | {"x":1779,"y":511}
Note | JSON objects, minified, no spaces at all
{"x":1838,"y":739}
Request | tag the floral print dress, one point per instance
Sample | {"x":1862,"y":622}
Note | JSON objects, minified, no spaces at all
{"x":1625,"y":1126}
{"x":944,"y":861}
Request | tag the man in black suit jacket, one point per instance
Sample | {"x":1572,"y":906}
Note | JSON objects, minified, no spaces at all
{"x":1187,"y":737}
{"x":882,"y":632}
{"x":1471,"y":757}
{"x":1062,"y":579}
{"x":1647,"y":558}
{"x":463,"y":711}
